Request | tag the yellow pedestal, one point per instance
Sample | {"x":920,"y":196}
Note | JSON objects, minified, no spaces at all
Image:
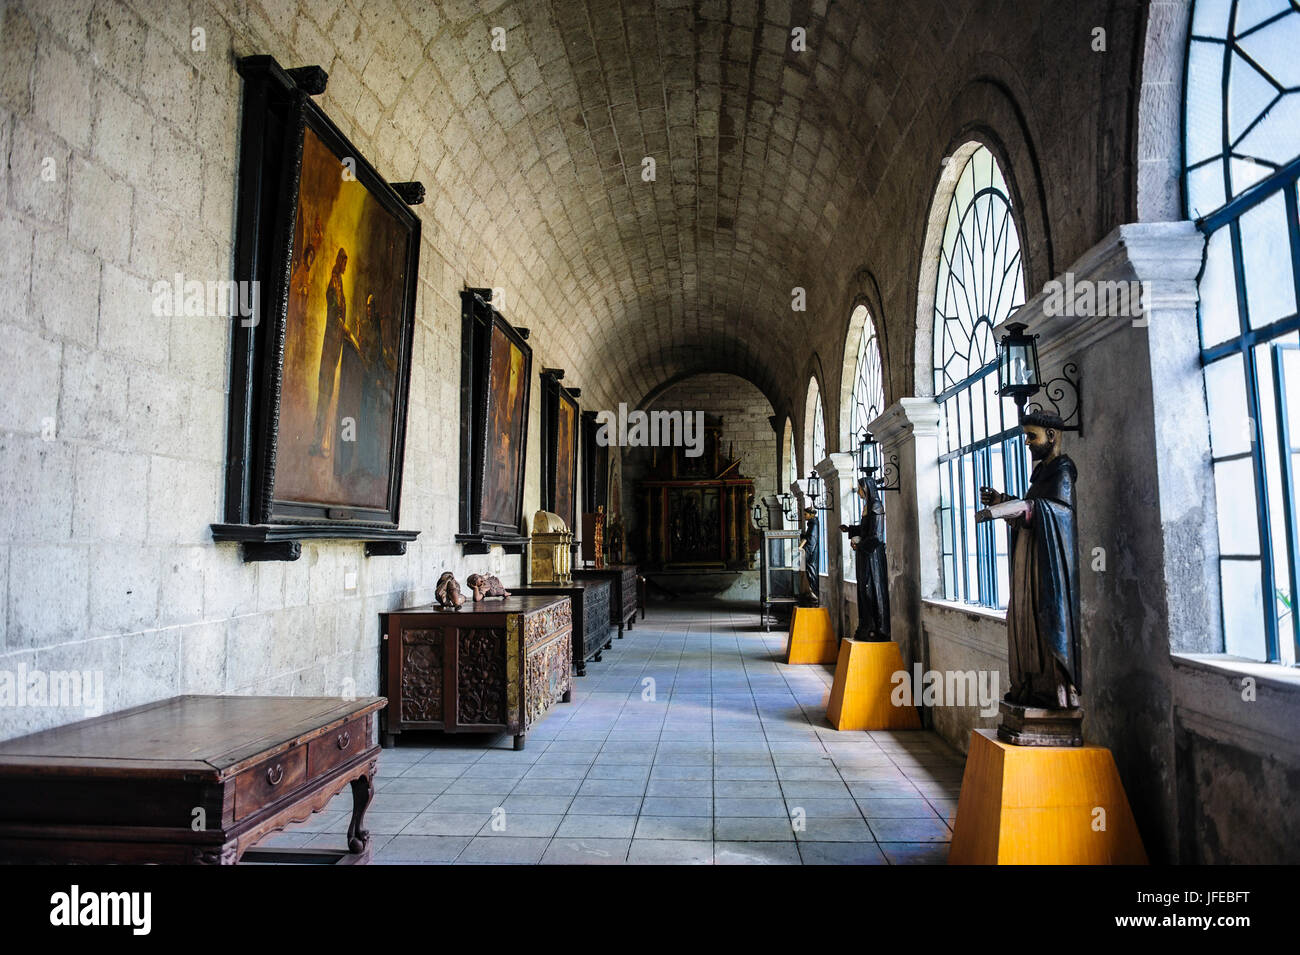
{"x":811,"y":638}
{"x":1042,"y":805}
{"x":860,"y":695}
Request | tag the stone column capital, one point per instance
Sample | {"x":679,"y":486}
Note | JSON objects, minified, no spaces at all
{"x":835,"y":464}
{"x":907,"y":417}
{"x":1151,"y":263}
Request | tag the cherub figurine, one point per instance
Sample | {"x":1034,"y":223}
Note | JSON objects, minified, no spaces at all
{"x":486,"y":586}
{"x":448,"y":592}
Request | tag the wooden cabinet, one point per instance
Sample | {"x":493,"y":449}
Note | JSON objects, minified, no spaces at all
{"x":622,"y":594}
{"x":494,"y":666}
{"x":192,"y":779}
{"x":591,"y":616}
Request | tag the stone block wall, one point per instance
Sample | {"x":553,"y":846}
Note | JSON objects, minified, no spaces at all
{"x":120,"y":132}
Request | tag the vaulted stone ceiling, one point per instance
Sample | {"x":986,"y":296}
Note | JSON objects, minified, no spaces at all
{"x":750,"y":141}
{"x":768,"y":160}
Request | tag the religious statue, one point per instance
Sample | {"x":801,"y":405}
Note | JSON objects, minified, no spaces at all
{"x":447,"y":593}
{"x":809,"y":544}
{"x":1042,"y":706}
{"x":485,"y":586}
{"x":866,"y":540}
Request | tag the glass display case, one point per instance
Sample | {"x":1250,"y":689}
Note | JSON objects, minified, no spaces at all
{"x":778,"y":574}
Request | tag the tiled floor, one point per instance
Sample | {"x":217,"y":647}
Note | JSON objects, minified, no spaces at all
{"x":689,"y":743}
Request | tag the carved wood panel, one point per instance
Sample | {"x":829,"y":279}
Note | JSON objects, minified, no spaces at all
{"x":422,"y":658}
{"x":546,"y":677}
{"x":595,"y":619}
{"x":481,"y":677}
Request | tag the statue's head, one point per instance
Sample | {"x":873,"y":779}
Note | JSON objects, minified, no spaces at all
{"x":1042,"y":434}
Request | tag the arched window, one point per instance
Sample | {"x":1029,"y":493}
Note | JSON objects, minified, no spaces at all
{"x":1242,"y":149}
{"x":818,"y":455}
{"x":866,"y":403}
{"x":816,"y":428}
{"x":980,"y":283}
{"x":794,"y":459}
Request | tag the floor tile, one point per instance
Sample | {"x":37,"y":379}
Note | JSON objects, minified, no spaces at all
{"x":841,"y":853}
{"x":422,"y":849}
{"x":564,"y":851}
{"x":916,"y":853}
{"x":756,"y":853}
{"x":752,"y":828}
{"x":597,"y":827}
{"x":677,"y":806}
{"x":503,"y":851}
{"x":909,"y":830}
{"x":670,"y":852}
{"x":674,"y":827}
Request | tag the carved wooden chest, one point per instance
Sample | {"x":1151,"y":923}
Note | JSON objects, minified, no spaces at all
{"x":591,"y":617}
{"x":622,"y":595}
{"x":494,"y":666}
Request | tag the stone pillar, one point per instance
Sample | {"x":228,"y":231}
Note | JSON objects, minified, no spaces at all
{"x":909,"y":428}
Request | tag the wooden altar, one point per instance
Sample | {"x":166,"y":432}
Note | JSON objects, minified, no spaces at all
{"x":694,"y":513}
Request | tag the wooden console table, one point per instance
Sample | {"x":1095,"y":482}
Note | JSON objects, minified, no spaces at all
{"x":494,"y":666}
{"x":622,"y":595}
{"x":192,"y":779}
{"x":590,"y":616}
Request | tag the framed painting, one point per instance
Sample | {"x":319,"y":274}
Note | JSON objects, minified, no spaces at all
{"x":496,"y":370}
{"x":560,"y":422}
{"x":321,"y":369}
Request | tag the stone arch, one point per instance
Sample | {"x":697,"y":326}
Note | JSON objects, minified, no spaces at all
{"x":985,"y":114}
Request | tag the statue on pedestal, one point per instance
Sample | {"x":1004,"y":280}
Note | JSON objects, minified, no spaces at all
{"x":810,"y":544}
{"x":866,"y":538}
{"x":1042,"y":707}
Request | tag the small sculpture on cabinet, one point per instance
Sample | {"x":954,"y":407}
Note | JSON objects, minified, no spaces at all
{"x":866,"y":538}
{"x":485,"y":586}
{"x":1042,"y":708}
{"x":552,"y":549}
{"x":447,"y":593}
{"x":593,"y":544}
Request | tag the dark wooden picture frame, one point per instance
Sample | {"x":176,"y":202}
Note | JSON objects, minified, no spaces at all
{"x":495,"y":388}
{"x":595,"y":466}
{"x":280,"y":124}
{"x":561,"y":424}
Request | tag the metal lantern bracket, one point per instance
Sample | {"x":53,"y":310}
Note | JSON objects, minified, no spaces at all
{"x":1063,"y":397}
{"x":890,"y":474}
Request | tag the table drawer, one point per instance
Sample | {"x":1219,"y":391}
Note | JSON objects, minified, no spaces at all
{"x":337,"y":746}
{"x":270,"y":781}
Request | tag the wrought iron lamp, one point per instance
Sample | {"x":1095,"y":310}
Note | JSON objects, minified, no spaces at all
{"x":1021,"y":378}
{"x":815,"y":491}
{"x":871,"y":459}
{"x":1018,"y":374}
